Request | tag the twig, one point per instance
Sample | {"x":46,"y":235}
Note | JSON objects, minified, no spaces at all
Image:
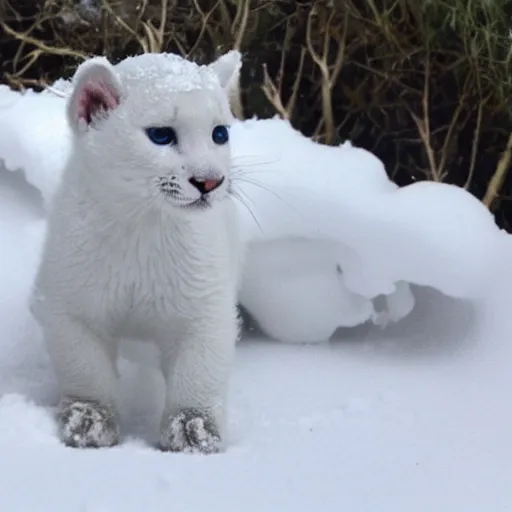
{"x":204,"y":25}
{"x":474,"y":147}
{"x":328,"y":77}
{"x":163,"y":21}
{"x":425,"y":133}
{"x":150,"y":43}
{"x":451,"y":129}
{"x":17,"y":82}
{"x":499,"y":175}
{"x":68,"y":52}
{"x":290,"y":105}
{"x":423,"y":125}
{"x":273,"y":94}
{"x":123,"y":24}
{"x":243,"y":24}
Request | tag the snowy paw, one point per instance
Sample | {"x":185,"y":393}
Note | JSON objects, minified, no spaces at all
{"x":191,"y":431}
{"x":87,"y":425}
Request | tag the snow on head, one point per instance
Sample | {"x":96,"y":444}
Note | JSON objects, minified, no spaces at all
{"x":168,"y":71}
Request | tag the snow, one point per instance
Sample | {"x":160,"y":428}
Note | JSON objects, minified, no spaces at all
{"x":174,"y":73}
{"x":416,"y":234}
{"x":358,"y":235}
{"x":311,"y":209}
{"x":26,"y":119}
{"x":415,"y":416}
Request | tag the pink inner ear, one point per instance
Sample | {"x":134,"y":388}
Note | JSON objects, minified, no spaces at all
{"x":95,"y":98}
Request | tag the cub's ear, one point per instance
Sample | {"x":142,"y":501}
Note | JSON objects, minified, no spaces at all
{"x":96,"y":92}
{"x":227,"y":68}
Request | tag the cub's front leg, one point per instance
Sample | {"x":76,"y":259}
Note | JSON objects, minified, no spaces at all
{"x":197,"y":370}
{"x":85,"y":368}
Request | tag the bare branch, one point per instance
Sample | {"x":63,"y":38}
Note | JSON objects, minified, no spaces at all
{"x":42,"y":46}
{"x":204,"y":25}
{"x":163,"y":22}
{"x":499,"y":175}
{"x":273,"y":94}
{"x":323,"y":65}
{"x":290,"y":105}
{"x":242,"y":26}
{"x":474,"y":146}
{"x":125,"y":26}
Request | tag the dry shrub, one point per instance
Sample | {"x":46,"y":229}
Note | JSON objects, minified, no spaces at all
{"x":424,"y":84}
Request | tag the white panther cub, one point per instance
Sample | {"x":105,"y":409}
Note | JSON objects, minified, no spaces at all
{"x":143,"y":241}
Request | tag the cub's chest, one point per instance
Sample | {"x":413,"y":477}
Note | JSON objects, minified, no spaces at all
{"x":157,"y":261}
{"x":145,"y":257}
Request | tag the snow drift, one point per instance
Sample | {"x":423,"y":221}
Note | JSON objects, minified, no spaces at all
{"x":327,"y":231}
{"x":413,"y":417}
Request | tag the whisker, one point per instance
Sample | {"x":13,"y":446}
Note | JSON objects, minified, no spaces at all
{"x":239,"y":171}
{"x":254,"y":163}
{"x":269,"y":190}
{"x":62,"y":94}
{"x":246,"y":156}
{"x":251,"y":213}
{"x":241,"y":175}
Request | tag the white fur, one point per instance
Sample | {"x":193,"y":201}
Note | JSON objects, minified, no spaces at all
{"x":123,"y":259}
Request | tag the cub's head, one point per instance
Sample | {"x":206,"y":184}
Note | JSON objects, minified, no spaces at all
{"x":154,"y":129}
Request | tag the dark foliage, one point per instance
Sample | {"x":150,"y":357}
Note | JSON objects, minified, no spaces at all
{"x":424,"y":84}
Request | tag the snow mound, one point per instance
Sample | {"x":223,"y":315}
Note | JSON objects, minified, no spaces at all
{"x":35,"y":137}
{"x":415,"y":417}
{"x":328,"y":233}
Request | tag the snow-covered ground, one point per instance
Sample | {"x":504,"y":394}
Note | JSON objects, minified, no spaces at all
{"x":413,"y":417}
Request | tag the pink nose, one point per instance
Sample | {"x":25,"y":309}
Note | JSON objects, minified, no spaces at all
{"x":206,"y":185}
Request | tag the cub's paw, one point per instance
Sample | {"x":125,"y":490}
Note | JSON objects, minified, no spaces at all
{"x":190,"y":431}
{"x":87,"y":425}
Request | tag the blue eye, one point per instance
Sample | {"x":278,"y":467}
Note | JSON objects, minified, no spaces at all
{"x":220,"y":134}
{"x":162,"y":136}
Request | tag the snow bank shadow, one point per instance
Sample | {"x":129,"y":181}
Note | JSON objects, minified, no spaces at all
{"x":27,"y":194}
{"x":438,"y":326}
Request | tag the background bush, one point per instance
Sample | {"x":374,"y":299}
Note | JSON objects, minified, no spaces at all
{"x":424,"y":84}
